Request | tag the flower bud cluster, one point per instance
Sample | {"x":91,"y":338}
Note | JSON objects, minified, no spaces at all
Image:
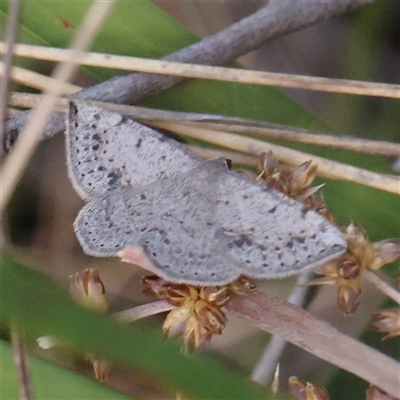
{"x":87,"y":289}
{"x":361,"y":257}
{"x":198,"y":314}
{"x":302,"y":390}
{"x":296,"y":184}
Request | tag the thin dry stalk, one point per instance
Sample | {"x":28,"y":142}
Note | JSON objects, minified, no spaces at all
{"x":11,"y":33}
{"x":15,"y":164}
{"x":188,"y":70}
{"x":236,"y":158}
{"x":275,"y":19}
{"x":38,"y":81}
{"x":135,"y":313}
{"x":383,"y":286}
{"x":21,"y":361}
{"x":234,"y":125}
{"x":326,"y":168}
{"x":294,"y":134}
{"x":317,"y":337}
{"x":30,"y":100}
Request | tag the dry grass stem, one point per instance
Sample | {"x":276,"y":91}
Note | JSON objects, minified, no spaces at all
{"x":32,"y":132}
{"x":270,"y":21}
{"x":383,"y":286}
{"x":5,"y":69}
{"x":38,"y":81}
{"x":135,"y":313}
{"x":275,"y":381}
{"x":30,"y":100}
{"x":236,"y":158}
{"x":326,"y":168}
{"x":21,"y":361}
{"x":209,"y":72}
{"x":297,"y":326}
{"x":235,"y":125}
{"x":294,"y":134}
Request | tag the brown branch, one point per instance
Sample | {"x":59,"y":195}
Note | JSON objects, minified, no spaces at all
{"x":317,"y":337}
{"x":263,"y":372}
{"x":275,"y":19}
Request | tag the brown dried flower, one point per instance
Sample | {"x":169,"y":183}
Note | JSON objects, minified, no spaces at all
{"x":101,"y":369}
{"x":374,"y":393}
{"x":303,"y":390}
{"x":387,"y":320}
{"x":198,"y":314}
{"x":271,"y":172}
{"x":385,"y":252}
{"x":296,"y":184}
{"x":87,"y":289}
{"x":361,"y":256}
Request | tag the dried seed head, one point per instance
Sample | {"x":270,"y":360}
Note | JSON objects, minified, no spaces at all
{"x":359,"y":245}
{"x":88,"y":290}
{"x":361,"y":256}
{"x":176,"y":319}
{"x":179,"y":294}
{"x":152,"y":285}
{"x":241,"y":285}
{"x":387,"y":320}
{"x":198,"y":314}
{"x":374,"y":393}
{"x":303,"y":390}
{"x":348,"y":299}
{"x":317,"y":203}
{"x":275,"y":382}
{"x":195,"y":334}
{"x":296,"y":184}
{"x":385,"y":252}
{"x":271,"y":172}
{"x":102,"y":370}
{"x":349,"y":268}
{"x":219,"y":295}
{"x":297,"y":388}
{"x":267,"y":164}
{"x":173,"y":293}
{"x":210,"y":317}
{"x":346,"y":273}
{"x":302,"y":177}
